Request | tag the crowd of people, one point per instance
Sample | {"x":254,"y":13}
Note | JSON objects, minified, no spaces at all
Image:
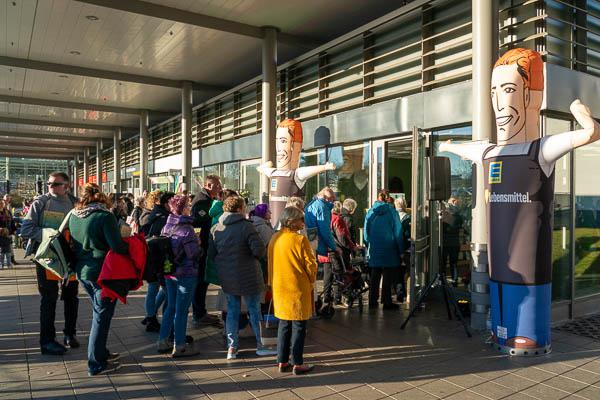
{"x":211,"y":238}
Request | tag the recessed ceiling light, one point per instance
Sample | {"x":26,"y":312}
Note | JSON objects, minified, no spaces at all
{"x":92,"y":17}
{"x":75,"y":52}
{"x":63,"y":76}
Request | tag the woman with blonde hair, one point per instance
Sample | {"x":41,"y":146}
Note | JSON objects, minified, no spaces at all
{"x":94,"y":231}
{"x":292,"y":284}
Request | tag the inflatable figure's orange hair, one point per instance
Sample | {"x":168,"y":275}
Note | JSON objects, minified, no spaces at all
{"x":529,"y":65}
{"x":294,"y":128}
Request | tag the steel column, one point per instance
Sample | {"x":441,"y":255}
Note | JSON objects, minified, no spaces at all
{"x":117,"y":160}
{"x":144,"y":122}
{"x":186,"y":135}
{"x":485,"y":46}
{"x":86,"y":165}
{"x":269,"y":92}
{"x":99,"y":163}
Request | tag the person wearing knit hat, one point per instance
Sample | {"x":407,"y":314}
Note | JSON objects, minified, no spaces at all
{"x":288,"y":179}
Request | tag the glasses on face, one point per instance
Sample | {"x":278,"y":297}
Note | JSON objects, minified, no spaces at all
{"x":55,"y":184}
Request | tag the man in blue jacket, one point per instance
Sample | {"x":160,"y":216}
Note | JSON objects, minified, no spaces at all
{"x":384,"y":241}
{"x":317,"y":216}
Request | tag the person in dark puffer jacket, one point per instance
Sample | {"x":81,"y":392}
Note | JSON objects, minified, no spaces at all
{"x":236,"y":248}
{"x":181,"y":281}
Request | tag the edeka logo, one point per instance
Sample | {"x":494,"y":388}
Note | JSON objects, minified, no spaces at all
{"x":514,"y":197}
{"x":496,"y":172}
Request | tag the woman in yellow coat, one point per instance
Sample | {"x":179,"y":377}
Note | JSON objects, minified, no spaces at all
{"x":292,"y":274}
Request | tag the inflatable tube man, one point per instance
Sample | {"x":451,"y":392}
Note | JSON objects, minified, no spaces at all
{"x":288,"y":179}
{"x":519,"y":193}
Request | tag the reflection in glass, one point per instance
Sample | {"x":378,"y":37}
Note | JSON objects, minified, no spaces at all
{"x":561,"y":240}
{"x":461,"y":189}
{"x":587,"y":220}
{"x":251,"y":182}
{"x":231,"y":175}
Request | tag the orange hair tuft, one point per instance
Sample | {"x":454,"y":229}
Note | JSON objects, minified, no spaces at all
{"x":294,"y":128}
{"x":529,"y":65}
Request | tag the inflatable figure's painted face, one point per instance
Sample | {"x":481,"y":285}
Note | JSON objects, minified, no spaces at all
{"x":517,"y":91}
{"x":284,"y":146}
{"x":510,"y":99}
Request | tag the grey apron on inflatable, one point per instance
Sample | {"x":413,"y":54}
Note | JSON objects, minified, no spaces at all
{"x":282,"y":187}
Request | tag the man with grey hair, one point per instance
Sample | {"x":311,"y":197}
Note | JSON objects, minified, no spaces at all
{"x":348,"y":208}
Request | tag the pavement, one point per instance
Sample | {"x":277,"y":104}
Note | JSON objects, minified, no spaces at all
{"x":357,"y":356}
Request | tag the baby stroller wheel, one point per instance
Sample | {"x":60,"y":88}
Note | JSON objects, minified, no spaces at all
{"x":326,"y":311}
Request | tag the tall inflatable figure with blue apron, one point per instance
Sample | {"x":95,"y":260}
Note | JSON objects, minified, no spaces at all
{"x":519,"y":194}
{"x":288,"y":179}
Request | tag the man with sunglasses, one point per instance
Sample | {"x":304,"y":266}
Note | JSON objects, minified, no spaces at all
{"x":48,"y":211}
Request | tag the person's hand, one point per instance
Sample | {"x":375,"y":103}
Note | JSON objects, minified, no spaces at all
{"x":445,"y":145}
{"x":329,"y":166}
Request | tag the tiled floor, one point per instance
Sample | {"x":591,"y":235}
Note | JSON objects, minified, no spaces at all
{"x":358,"y":356}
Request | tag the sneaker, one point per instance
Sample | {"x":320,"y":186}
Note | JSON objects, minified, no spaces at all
{"x":110,"y":367}
{"x":187,"y":350}
{"x":284,"y":367}
{"x":164,"y":346}
{"x":265,"y":351}
{"x":232,"y":353}
{"x":53,"y":348}
{"x":145,"y":321}
{"x":303,"y":369}
{"x":71,"y":341}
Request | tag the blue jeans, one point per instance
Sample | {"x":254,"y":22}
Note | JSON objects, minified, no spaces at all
{"x":154,"y":298}
{"x":180,"y":292}
{"x":103,"y":310}
{"x":234,"y":306}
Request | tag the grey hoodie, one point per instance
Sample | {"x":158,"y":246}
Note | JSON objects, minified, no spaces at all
{"x":235,"y":248}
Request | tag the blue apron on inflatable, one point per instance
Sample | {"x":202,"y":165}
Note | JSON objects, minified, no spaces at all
{"x":519,"y":198}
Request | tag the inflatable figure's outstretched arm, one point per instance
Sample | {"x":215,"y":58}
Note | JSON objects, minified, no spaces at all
{"x":470,"y":150}
{"x":556,"y":146}
{"x":266,"y":168}
{"x":305,"y":173}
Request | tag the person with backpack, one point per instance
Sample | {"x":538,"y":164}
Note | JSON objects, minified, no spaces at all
{"x":236,"y":248}
{"x":383,"y":237}
{"x":180,"y":277}
{"x":94,"y":231}
{"x":48,"y":211}
{"x":405,"y":219}
{"x":151,"y":227}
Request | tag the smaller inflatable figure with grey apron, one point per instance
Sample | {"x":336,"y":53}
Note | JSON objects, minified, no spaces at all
{"x":288,"y":179}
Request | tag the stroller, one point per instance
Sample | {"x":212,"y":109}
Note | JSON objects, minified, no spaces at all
{"x":350,"y":282}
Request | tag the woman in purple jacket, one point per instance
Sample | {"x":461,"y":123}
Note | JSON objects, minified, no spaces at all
{"x":180,"y":282}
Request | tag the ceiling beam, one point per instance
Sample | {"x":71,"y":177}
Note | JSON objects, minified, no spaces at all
{"x":41,"y":150}
{"x":60,"y":124}
{"x":37,"y":155}
{"x":53,"y":135}
{"x":200,"y":20}
{"x":43,"y":143}
{"x":79,"y":106}
{"x":101,"y":73}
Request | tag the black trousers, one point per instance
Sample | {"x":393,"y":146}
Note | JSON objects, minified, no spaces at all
{"x":199,"y":300}
{"x":291,"y":335}
{"x":450,"y":255}
{"x":389,"y":276}
{"x":330,"y":291}
{"x":49,"y":291}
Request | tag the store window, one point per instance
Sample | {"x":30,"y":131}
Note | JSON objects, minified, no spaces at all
{"x":587,"y":220}
{"x":462,"y":190}
{"x":316,"y":183}
{"x":350,"y":179}
{"x":230,"y":175}
{"x":563,"y":211}
{"x":197,"y":179}
{"x":251,"y":181}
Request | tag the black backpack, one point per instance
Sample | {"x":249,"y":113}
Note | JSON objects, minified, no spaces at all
{"x":160,"y":258}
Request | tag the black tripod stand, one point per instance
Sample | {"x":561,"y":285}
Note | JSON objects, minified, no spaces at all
{"x":440,"y":279}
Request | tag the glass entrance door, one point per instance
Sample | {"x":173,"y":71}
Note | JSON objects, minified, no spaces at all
{"x":419,"y":235}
